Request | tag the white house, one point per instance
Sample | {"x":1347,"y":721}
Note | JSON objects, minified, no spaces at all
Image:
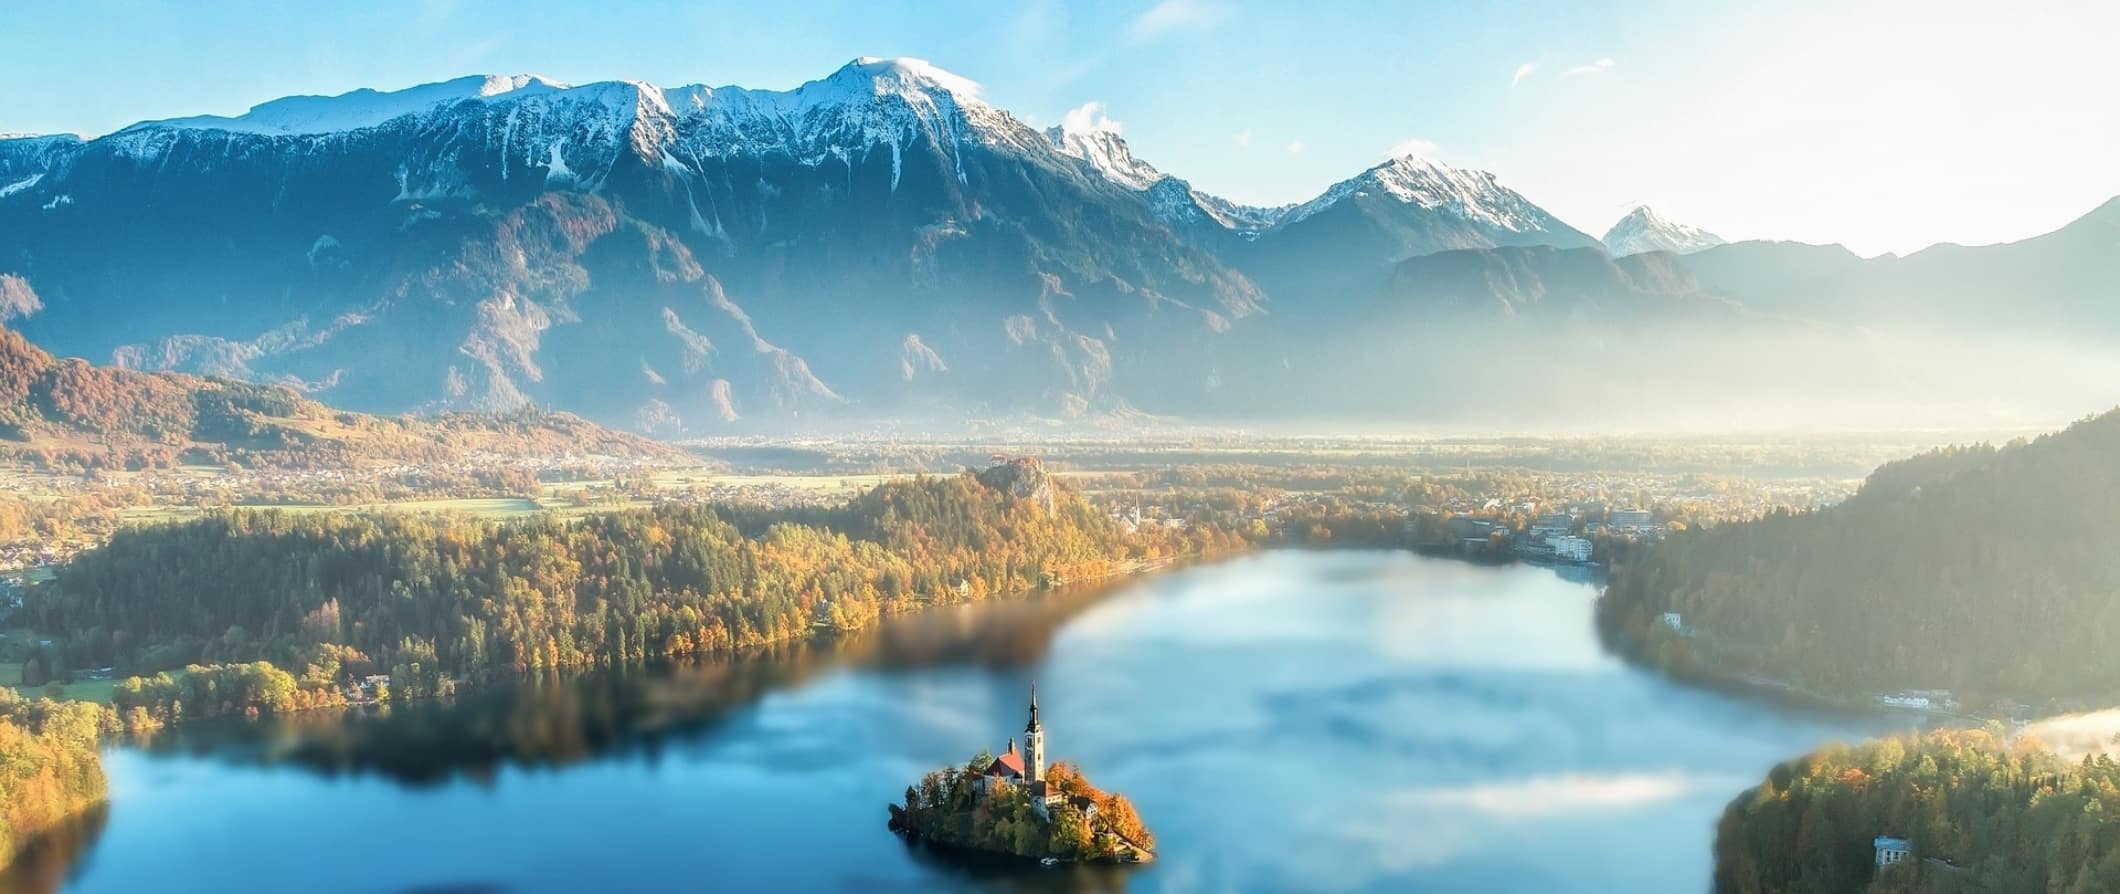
{"x":1570,"y":548}
{"x":1891,"y":851}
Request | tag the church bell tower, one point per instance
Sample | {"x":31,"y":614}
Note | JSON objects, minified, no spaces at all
{"x":1034,"y":742}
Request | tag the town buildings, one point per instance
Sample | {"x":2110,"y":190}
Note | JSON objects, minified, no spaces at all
{"x":1569,"y":548}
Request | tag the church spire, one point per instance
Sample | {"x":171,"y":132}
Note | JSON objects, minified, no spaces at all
{"x":1034,"y":741}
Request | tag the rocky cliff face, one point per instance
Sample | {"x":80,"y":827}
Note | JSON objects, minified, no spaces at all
{"x":1023,"y":478}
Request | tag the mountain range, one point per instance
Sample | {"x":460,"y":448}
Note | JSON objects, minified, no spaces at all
{"x":881,"y":244}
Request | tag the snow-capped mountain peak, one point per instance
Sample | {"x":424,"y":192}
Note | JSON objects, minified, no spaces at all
{"x":902,"y":75}
{"x":922,"y":85}
{"x":569,"y":131}
{"x":1433,"y":185}
{"x":1087,"y":134}
{"x":901,"y":107}
{"x":866,"y":103}
{"x":1643,"y":230}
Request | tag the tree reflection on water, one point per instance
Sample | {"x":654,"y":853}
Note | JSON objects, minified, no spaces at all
{"x":44,"y":863}
{"x":560,"y":718}
{"x":1004,"y":873}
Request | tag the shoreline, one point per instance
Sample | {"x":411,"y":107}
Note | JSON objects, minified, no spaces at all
{"x":915,"y":838}
{"x":478,"y":678}
{"x":1713,"y":677}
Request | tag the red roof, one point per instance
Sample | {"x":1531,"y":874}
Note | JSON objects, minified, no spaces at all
{"x":1010,"y":764}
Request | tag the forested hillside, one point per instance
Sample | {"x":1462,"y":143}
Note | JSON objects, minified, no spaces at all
{"x":325,"y":596}
{"x":1978,"y":817}
{"x":55,"y":411}
{"x":1987,"y":571}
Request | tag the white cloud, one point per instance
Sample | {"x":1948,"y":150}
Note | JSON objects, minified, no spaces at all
{"x":17,"y":299}
{"x":1523,"y":71}
{"x":1242,"y":139}
{"x":1414,"y":146}
{"x":1088,"y":117}
{"x":1601,"y":65}
{"x":1173,"y":15}
{"x":1295,"y":148}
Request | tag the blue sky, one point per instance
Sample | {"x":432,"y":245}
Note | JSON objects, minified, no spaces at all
{"x":1886,"y":125}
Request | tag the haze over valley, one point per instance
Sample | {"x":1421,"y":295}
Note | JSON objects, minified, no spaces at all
{"x":881,"y":243}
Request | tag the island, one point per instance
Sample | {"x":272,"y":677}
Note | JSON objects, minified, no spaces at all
{"x":1015,"y":804}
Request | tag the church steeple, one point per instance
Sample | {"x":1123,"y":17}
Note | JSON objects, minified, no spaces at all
{"x":1034,"y":741}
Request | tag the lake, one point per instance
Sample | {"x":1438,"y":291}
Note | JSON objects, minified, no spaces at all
{"x":1286,"y":721}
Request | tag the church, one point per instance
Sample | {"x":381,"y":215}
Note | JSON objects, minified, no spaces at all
{"x":1026,"y":768}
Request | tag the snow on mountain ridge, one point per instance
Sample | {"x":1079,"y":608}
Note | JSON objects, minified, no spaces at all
{"x":573,"y":133}
{"x":1086,"y":133}
{"x":867,"y":104}
{"x":905,"y":73}
{"x":1643,"y":230}
{"x":864,"y":79}
{"x":355,"y":110}
{"x":1415,"y":180}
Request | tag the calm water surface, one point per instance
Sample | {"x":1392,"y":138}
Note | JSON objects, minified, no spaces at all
{"x":1293,"y":721}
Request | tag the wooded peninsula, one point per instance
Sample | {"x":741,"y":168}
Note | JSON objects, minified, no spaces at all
{"x":1980,"y":570}
{"x":1948,"y":812}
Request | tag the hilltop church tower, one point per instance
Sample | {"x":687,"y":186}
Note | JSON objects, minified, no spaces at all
{"x":1034,"y":742}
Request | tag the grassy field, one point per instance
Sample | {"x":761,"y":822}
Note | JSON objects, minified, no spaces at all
{"x":12,"y":645}
{"x":807,"y":482}
{"x":559,"y":497}
{"x":483,"y":507}
{"x":97,"y":691}
{"x":155,"y":515}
